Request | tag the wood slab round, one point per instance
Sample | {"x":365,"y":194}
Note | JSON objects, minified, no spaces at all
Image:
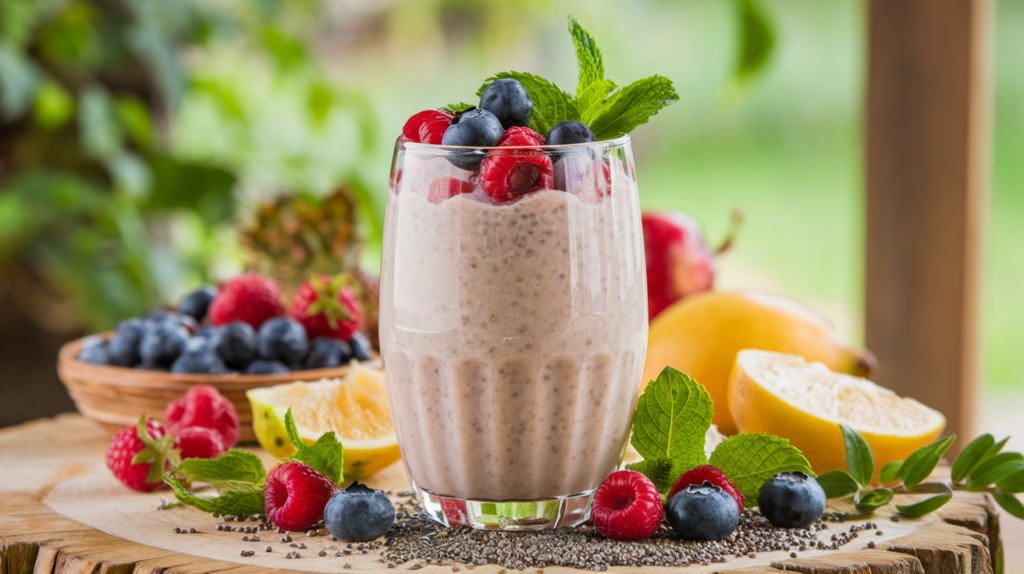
{"x":61,"y":512}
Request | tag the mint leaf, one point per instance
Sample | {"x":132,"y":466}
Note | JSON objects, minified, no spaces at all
{"x":235,"y":470}
{"x":592,"y":88}
{"x":672,"y":417}
{"x":1013,"y":482}
{"x":837,"y":483}
{"x":750,"y":459}
{"x":992,"y":470}
{"x":920,"y":464}
{"x":995,"y":449}
{"x":872,"y":500}
{"x":1010,"y":503}
{"x":659,"y":471}
{"x":630,"y":107}
{"x":890,"y":472}
{"x":239,"y":502}
{"x":971,"y":456}
{"x":860,"y":462}
{"x":550,"y":104}
{"x":326,"y":456}
{"x":929,"y":504}
{"x":459,"y":107}
{"x":757,"y":41}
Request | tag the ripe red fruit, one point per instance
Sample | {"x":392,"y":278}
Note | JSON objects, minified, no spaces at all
{"x":679,"y":260}
{"x":295,"y":496}
{"x":507,"y":175}
{"x":426,"y":126}
{"x":203,"y":406}
{"x":627,"y":506}
{"x":327,"y":307}
{"x":199,"y":442}
{"x":136,"y":455}
{"x":250,"y":297}
{"x":443,"y":188}
{"x":697,"y":475}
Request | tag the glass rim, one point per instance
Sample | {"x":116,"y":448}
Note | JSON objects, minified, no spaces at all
{"x":600,"y":144}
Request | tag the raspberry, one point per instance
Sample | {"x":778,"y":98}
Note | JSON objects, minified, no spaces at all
{"x":251,"y":298}
{"x":698,"y":474}
{"x":203,"y":406}
{"x":199,"y":442}
{"x":412,"y":131}
{"x":627,"y":506}
{"x":507,"y":175}
{"x":137,"y":457}
{"x":443,"y":188}
{"x":295,"y":496}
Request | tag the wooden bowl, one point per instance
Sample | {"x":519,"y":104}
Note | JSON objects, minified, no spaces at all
{"x":115,"y":397}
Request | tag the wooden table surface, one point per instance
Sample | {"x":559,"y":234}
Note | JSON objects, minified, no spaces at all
{"x":36,"y":457}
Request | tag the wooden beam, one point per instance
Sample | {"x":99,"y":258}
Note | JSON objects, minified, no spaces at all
{"x":927,"y":160}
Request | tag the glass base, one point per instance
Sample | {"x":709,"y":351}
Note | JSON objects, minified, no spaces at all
{"x":512,"y":515}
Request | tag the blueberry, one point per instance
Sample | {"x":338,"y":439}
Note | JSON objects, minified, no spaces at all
{"x":282,"y":339}
{"x":360,"y":346}
{"x":208,"y":331}
{"x":473,"y":127}
{"x":94,"y":350}
{"x":359,"y":513}
{"x":236,"y":344}
{"x":791,"y":500}
{"x":159,"y":316}
{"x":124,"y":346}
{"x":199,"y":357}
{"x":162,"y":344}
{"x":703,"y":513}
{"x":327,"y":352}
{"x":263,"y":367}
{"x":509,"y":101}
{"x":197,"y":302}
{"x":570,"y":133}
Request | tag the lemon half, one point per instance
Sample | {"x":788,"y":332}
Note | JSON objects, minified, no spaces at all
{"x":355,"y":408}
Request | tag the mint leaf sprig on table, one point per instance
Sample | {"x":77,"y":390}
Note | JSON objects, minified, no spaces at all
{"x":239,"y":476}
{"x":608,"y":110}
{"x":672,"y":418}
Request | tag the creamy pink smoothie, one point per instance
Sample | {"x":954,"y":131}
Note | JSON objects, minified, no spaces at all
{"x":513,"y":337}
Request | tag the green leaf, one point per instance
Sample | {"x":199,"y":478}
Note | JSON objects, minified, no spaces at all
{"x":326,"y":456}
{"x":1010,"y":503}
{"x":995,"y":449}
{"x":872,"y":500}
{"x":890,"y":472}
{"x":860,"y":462}
{"x":1012,"y":483}
{"x":592,"y":88}
{"x":98,"y":127}
{"x":550,"y":104}
{"x":971,"y":456}
{"x":235,"y":470}
{"x":757,"y":42}
{"x":992,"y":470}
{"x":133,"y":114}
{"x":920,"y":464}
{"x":750,"y":459}
{"x":21,"y":77}
{"x":178,"y":184}
{"x":631,"y":106}
{"x":837,"y":483}
{"x":54,"y":106}
{"x":929,"y":504}
{"x":659,"y":471}
{"x":245,"y":503}
{"x":288,"y":52}
{"x":456,"y":108}
{"x":672,"y":417}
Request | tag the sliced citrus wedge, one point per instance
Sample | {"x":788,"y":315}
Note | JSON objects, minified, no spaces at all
{"x":355,"y":408}
{"x":784,"y":395}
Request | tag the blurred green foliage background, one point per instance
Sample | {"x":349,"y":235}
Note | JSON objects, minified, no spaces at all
{"x":135,"y":133}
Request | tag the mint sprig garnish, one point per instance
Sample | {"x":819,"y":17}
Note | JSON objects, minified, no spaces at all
{"x":326,"y":456}
{"x":609,"y":111}
{"x":749,"y":459}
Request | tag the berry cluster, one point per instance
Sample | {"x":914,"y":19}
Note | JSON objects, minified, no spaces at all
{"x":505,"y":175}
{"x":201,"y":424}
{"x":242,"y":327}
{"x":703,"y":505}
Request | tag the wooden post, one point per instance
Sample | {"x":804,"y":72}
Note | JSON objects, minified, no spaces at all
{"x":927,"y":159}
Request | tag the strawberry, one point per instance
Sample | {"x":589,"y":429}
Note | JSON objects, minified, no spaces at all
{"x":295,"y":495}
{"x":250,"y":297}
{"x":327,"y":307}
{"x":443,"y":188}
{"x":627,"y":506}
{"x":137,"y":455}
{"x":203,"y":406}
{"x":199,"y":442}
{"x":508,"y":175}
{"x":698,"y":474}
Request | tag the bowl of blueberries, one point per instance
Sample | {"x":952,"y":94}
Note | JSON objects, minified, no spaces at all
{"x":236,"y":337}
